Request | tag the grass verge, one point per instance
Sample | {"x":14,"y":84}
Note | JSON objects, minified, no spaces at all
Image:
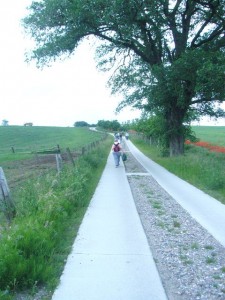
{"x":199,"y":166}
{"x":34,"y":247}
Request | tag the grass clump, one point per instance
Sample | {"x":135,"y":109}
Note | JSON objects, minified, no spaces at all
{"x":176,"y":224}
{"x":208,"y":247}
{"x":186,"y":260}
{"x":210,"y":260}
{"x":195,"y":246}
{"x":156,"y":205}
{"x":49,"y":211}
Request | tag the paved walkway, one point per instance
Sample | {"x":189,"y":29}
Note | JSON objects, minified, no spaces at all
{"x":208,"y":211}
{"x":111,"y":259}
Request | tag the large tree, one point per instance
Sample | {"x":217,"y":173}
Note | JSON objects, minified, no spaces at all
{"x":168,"y":56}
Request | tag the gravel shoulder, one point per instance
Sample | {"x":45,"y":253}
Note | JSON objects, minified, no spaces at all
{"x":190,"y":261}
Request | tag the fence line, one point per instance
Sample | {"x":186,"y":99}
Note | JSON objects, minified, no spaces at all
{"x":7,"y":205}
{"x":6,"y":202}
{"x":58,"y":149}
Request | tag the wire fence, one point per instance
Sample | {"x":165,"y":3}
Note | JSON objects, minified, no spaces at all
{"x":42,"y":159}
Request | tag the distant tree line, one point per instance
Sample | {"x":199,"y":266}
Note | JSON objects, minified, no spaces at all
{"x":109,"y":125}
{"x":104,"y":124}
{"x":83,"y":124}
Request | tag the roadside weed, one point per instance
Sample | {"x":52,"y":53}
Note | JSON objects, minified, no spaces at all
{"x":208,"y":247}
{"x":195,"y":246}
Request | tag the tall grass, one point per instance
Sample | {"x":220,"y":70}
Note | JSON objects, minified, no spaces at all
{"x":200,"y":167}
{"x":49,"y":211}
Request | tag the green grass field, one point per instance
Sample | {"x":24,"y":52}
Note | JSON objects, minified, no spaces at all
{"x":25,"y":140}
{"x":212,"y":134}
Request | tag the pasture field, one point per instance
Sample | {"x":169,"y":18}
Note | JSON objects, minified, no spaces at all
{"x":25,"y":140}
{"x":212,"y":134}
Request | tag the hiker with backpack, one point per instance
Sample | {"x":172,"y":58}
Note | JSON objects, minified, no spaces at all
{"x":116,"y":151}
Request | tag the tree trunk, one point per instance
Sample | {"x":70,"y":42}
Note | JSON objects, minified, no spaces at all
{"x":176,"y":144}
{"x":176,"y":133}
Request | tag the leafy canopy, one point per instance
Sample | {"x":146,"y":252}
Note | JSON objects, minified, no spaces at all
{"x":167,"y":56}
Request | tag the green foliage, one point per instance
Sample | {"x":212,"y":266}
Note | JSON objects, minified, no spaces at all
{"x":33,"y":249}
{"x":81,"y":124}
{"x":5,"y":295}
{"x":153,"y":128}
{"x":109,"y":125}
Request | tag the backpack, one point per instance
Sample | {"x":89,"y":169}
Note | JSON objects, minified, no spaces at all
{"x":116,"y":148}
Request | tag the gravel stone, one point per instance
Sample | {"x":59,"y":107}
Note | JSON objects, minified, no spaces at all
{"x":190,"y":261}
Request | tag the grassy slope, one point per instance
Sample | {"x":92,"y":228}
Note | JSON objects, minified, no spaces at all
{"x":27,"y":139}
{"x":211,"y":134}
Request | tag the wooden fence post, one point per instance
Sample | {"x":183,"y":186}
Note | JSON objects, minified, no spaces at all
{"x":70,"y":156}
{"x":3,"y":182}
{"x":5,"y":198}
{"x":58,"y":162}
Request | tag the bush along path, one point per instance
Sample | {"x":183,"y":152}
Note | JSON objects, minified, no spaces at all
{"x":190,"y":261}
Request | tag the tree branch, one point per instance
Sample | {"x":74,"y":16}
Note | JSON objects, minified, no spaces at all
{"x":167,"y":50}
{"x":176,"y":7}
{"x":198,"y":101}
{"x":212,"y":36}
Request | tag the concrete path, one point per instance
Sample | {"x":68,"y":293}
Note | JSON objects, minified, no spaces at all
{"x":209,"y":212}
{"x":111,"y":259}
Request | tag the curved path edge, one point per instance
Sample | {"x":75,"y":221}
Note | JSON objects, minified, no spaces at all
{"x":206,"y":210}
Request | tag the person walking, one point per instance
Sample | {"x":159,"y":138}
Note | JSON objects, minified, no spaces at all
{"x":116,"y":151}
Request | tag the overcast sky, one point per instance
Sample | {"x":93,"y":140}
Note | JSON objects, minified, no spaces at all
{"x":67,"y":92}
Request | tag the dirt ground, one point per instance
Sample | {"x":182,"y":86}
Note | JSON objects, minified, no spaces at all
{"x":19,"y":171}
